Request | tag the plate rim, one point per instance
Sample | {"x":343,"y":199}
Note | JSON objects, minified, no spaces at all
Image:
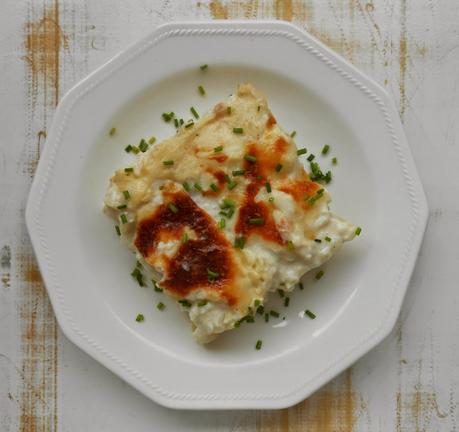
{"x":259,"y":28}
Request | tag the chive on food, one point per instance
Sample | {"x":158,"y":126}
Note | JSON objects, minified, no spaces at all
{"x":278,"y":167}
{"x":238,"y":130}
{"x":250,"y":158}
{"x":212,"y":276}
{"x":239,"y":242}
{"x":172,"y":207}
{"x":168,"y":162}
{"x":218,"y":149}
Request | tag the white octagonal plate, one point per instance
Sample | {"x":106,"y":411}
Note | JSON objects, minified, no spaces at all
{"x":310,"y":90}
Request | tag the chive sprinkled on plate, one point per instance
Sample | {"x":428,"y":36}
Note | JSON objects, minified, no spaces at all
{"x":189,"y":124}
{"x":168,"y":162}
{"x":256,"y":221}
{"x":112,"y":131}
{"x":135,"y":150}
{"x":186,"y":186}
{"x":325,"y":149}
{"x":128,"y":170}
{"x":319,"y":274}
{"x":123,"y":219}
{"x":335,"y":161}
{"x":311,"y":157}
{"x":300,"y":285}
{"x":268,"y":187}
{"x":203,"y":67}
{"x":293,"y":134}
{"x":238,"y":130}
{"x":310,"y":314}
{"x":274,"y":314}
{"x":185,"y":303}
{"x":126,"y":194}
{"x":250,"y":158}
{"x":358,"y":231}
{"x":194,"y":112}
{"x":128,"y":148}
{"x":301,"y":151}
{"x":167,"y":117}
{"x":139,"y":318}
{"x":239,"y":242}
{"x":266,"y":317}
{"x":222,"y":223}
{"x":160,"y":306}
{"x":143,"y":145}
{"x":238,"y":172}
{"x":318,"y":240}
{"x":258,"y":344}
{"x":176,"y":123}
{"x":185,"y":237}
{"x":218,"y":149}
{"x":201,"y":90}
{"x":172,"y":207}
{"x":260,"y":310}
{"x":232,"y":185}
{"x":212,"y":276}
{"x":117,"y":229}
{"x":278,"y":167}
{"x":286,"y":301}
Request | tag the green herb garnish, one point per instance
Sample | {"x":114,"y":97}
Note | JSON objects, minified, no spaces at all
{"x":300,"y":285}
{"x":319,"y":274}
{"x":222,"y":223}
{"x":268,"y":187}
{"x":168,"y":162}
{"x":186,"y":186}
{"x":274,"y":314}
{"x":290,"y":245}
{"x":117,"y":229}
{"x":143,"y":146}
{"x":202,"y":303}
{"x":286,"y":301}
{"x":152,"y":140}
{"x":128,"y":170}
{"x":160,"y":306}
{"x":311,"y":157}
{"x":281,"y":293}
{"x":238,"y":172}
{"x":211,"y":275}
{"x":203,"y":67}
{"x":218,"y":149}
{"x":194,"y":112}
{"x":123,"y":219}
{"x":185,"y":303}
{"x":128,"y":148}
{"x":112,"y":131}
{"x":250,"y":158}
{"x":293,"y":134}
{"x":201,"y":90}
{"x":334,"y":161}
{"x":325,"y":149}
{"x":126,"y":194}
{"x":256,"y":221}
{"x":238,"y":130}
{"x":258,"y":344}
{"x":278,"y":167}
{"x":309,"y":314}
{"x":198,"y":187}
{"x":214,"y":187}
{"x":172,"y":207}
{"x":139,"y":318}
{"x":302,"y":151}
{"x":328,"y":239}
{"x":121,"y":207}
{"x":358,"y":231}
{"x":239,"y":242}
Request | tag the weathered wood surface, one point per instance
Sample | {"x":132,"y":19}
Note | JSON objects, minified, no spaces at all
{"x":408,"y":383}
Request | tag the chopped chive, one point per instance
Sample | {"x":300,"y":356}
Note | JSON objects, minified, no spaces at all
{"x":160,"y":306}
{"x":211,"y":275}
{"x":172,"y":207}
{"x":214,"y":187}
{"x":117,"y":229}
{"x":112,"y":131}
{"x":300,"y":285}
{"x":227,"y":203}
{"x":143,"y":146}
{"x":121,"y":207}
{"x":232,"y":185}
{"x":202,"y":303}
{"x":194,"y":112}
{"x":319,"y":274}
{"x":152,"y":140}
{"x":185,"y":303}
{"x":293,"y":134}
{"x":126,"y":194}
{"x":334,"y":161}
{"x":256,"y":221}
{"x":318,"y":240}
{"x":136,"y":273}
{"x":204,"y":66}
{"x":325,"y":149}
{"x":286,"y":301}
{"x":310,"y":314}
{"x":135,"y":150}
{"x":278,"y":167}
{"x":258,"y":108}
{"x":358,"y":231}
{"x":258,"y":344}
{"x":201,"y":90}
{"x":239,"y":242}
{"x":168,"y":162}
{"x":185,"y":237}
{"x":186,"y":186}
{"x":328,"y":239}
{"x":238,"y":130}
{"x":167,"y":117}
{"x":260,"y":310}
{"x":198,"y":187}
{"x":227,"y":178}
{"x":138,"y":264}
{"x":222,"y":223}
{"x":176,"y":123}
{"x":128,"y":170}
{"x":238,"y":172}
{"x":268,"y":187}
{"x":274,"y":314}
{"x":128,"y":148}
{"x":228,"y":110}
{"x":250,"y":319}
{"x":139,"y":318}
{"x":218,"y":149}
{"x":290,"y":245}
{"x":250,"y":158}
{"x":266,"y":317}
{"x":281,"y":293}
{"x":328,"y":177}
{"x":123,"y":219}
{"x":302,"y":151}
{"x":181,"y":121}
{"x":311,"y":157}
{"x":257,"y":302}
{"x":189,"y":124}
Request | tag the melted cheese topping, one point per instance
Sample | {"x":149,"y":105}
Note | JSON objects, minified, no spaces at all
{"x":176,"y":232}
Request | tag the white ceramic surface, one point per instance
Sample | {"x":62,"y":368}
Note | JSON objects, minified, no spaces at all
{"x":311,"y":90}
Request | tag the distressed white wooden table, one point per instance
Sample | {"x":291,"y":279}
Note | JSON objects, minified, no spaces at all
{"x":409,"y":383}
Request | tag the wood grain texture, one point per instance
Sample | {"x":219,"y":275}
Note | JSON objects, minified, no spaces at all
{"x":410,"y":382}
